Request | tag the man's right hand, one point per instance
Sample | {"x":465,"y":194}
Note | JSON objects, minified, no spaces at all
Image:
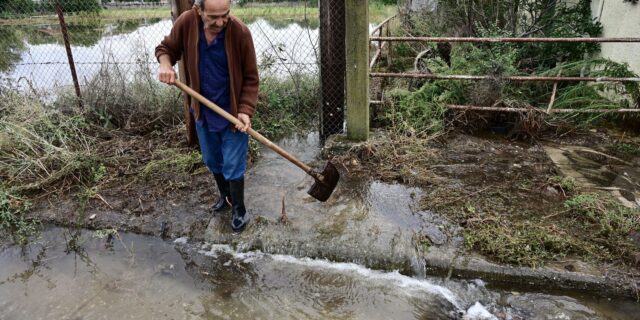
{"x":167,"y":74}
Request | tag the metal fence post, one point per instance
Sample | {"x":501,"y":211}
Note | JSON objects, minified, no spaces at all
{"x":67,"y":45}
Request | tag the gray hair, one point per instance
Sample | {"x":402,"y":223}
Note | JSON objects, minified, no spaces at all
{"x":200,"y":3}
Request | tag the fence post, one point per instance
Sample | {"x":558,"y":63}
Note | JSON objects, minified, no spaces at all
{"x":357,"y":39}
{"x":332,"y":64}
{"x":67,"y":45}
{"x":177,"y":8}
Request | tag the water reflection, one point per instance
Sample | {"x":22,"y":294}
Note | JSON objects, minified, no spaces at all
{"x":37,"y":53}
{"x":11,"y":49}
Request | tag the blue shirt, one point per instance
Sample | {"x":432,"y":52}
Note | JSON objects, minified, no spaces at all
{"x":214,"y":81}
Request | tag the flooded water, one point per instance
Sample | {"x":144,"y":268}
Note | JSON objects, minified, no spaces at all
{"x":78,"y":275}
{"x":40,"y":57}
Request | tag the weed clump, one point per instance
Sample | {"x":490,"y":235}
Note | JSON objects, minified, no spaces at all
{"x":520,"y":243}
{"x":40,"y":145}
{"x":593,"y":226}
{"x":607,"y":222}
{"x":286,"y":105}
{"x":13,"y":223}
{"x":171,"y":161}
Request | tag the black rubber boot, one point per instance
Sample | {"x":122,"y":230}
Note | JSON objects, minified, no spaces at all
{"x":238,"y":219}
{"x":223,"y":187}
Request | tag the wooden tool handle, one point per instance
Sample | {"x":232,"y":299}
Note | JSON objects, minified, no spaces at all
{"x":255,"y":134}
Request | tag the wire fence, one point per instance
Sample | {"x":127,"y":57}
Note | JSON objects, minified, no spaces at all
{"x":119,"y":37}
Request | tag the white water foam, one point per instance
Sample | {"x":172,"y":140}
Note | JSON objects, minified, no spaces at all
{"x":393,"y":277}
{"x":181,"y":240}
{"x":216,"y":249}
{"x":475,"y":312}
{"x":478,"y":312}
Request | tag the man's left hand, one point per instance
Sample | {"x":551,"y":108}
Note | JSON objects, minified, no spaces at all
{"x":246,"y":120}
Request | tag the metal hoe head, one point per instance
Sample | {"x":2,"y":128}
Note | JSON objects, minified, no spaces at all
{"x":325,"y":183}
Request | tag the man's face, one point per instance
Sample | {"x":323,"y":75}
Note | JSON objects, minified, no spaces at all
{"x":215,"y":14}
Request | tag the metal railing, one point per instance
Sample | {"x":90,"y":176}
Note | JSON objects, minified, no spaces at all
{"x":387,"y":40}
{"x":381,"y":44}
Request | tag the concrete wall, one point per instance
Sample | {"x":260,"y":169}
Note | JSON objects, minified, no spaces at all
{"x":619,"y":19}
{"x":428,"y":5}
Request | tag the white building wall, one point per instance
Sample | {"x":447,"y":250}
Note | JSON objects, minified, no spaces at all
{"x":619,"y":19}
{"x":428,"y":5}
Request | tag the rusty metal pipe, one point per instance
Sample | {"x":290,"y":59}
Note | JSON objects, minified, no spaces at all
{"x":509,"y":78}
{"x":507,"y":109}
{"x":479,"y":108}
{"x":383,"y":23}
{"x":67,"y":45}
{"x":498,"y":40}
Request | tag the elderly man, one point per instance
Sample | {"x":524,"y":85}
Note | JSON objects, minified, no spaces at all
{"x":220,"y":63}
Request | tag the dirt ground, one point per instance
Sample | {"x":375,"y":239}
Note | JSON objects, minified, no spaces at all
{"x":168,"y":202}
{"x":513,"y":202}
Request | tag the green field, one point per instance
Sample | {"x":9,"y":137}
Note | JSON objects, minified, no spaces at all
{"x":377,"y":13}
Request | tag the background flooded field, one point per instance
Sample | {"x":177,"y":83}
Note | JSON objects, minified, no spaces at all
{"x":36,"y":53}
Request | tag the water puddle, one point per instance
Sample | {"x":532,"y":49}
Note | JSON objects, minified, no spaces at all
{"x":74,"y":274}
{"x":365,"y":222}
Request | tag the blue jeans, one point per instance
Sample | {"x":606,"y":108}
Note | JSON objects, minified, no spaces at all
{"x":224,"y":152}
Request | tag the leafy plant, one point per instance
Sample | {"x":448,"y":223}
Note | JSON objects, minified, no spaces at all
{"x":567,"y":184}
{"x":419,"y":113}
{"x":13,"y":223}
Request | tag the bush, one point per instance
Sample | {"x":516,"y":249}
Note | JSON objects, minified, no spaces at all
{"x":419,"y":113}
{"x":73,"y":6}
{"x":17,"y":6}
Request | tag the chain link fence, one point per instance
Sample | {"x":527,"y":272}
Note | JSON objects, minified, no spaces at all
{"x":332,"y":15}
{"x":116,"y":40}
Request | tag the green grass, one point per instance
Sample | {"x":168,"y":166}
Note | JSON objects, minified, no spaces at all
{"x":627,"y":148}
{"x":171,"y":161}
{"x":377,"y":13}
{"x":520,"y":243}
{"x":593,"y":226}
{"x":286,"y":106}
{"x":567,"y":184}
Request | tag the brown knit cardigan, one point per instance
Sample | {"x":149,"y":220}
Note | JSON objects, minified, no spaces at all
{"x":182,"y":43}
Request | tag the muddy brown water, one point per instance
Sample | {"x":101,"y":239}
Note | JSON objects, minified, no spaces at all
{"x":73,"y":274}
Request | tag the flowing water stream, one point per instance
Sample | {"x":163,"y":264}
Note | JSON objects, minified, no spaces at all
{"x":77,"y":274}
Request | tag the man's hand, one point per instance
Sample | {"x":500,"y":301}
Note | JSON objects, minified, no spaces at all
{"x":166,"y":73}
{"x":246,"y":120}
